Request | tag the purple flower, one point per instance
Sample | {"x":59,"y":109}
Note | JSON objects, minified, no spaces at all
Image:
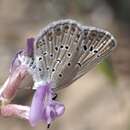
{"x":43,"y":107}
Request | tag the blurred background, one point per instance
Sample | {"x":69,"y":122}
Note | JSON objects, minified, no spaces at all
{"x":101,"y":99}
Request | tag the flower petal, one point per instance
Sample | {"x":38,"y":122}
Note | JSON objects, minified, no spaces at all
{"x":43,"y":107}
{"x":49,"y":114}
{"x":30,"y":43}
{"x":59,"y":108}
{"x":15,"y":110}
{"x":15,"y":62}
{"x":52,"y":111}
{"x":11,"y":85}
{"x":37,"y":105}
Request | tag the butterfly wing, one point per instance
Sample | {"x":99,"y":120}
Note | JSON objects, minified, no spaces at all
{"x":64,"y":51}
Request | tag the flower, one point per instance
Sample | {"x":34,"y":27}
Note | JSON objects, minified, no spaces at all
{"x":43,"y":107}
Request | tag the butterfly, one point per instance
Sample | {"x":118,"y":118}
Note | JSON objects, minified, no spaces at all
{"x":65,"y":50}
{"x":60,"y":54}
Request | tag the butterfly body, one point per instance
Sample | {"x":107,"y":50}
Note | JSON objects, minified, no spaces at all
{"x":65,"y":50}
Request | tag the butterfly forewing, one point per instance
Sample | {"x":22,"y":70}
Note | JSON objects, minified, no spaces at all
{"x":65,"y":50}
